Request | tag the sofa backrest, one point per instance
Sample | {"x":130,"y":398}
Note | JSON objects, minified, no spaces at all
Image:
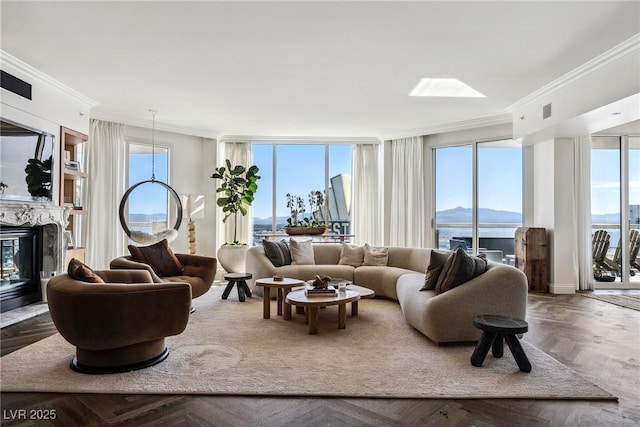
{"x":416,"y":259}
{"x":327,"y":253}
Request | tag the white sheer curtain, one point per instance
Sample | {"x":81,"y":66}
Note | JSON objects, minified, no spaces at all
{"x":582,"y":208}
{"x":106,"y":160}
{"x":238,"y":153}
{"x":408,"y":222}
{"x":366,"y":210}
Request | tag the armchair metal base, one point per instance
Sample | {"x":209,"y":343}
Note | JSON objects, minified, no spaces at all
{"x":100,"y":370}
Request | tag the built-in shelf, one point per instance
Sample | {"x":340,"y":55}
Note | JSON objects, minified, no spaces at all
{"x":71,"y":174}
{"x":74,"y":188}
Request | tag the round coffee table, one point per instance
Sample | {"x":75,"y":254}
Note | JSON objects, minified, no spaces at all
{"x":283,"y":287}
{"x":312,"y":304}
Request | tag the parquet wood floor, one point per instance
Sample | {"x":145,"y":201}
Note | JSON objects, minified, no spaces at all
{"x":600,"y":341}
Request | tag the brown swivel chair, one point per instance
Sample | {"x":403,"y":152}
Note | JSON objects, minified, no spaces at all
{"x":199,"y":271}
{"x":120,"y":325}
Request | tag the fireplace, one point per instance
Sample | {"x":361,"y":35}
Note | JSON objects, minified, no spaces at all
{"x":32,"y":241}
{"x":21,"y":265}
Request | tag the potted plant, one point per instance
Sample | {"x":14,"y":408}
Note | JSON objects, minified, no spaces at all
{"x":297,"y":223}
{"x":39,"y":178}
{"x":237,"y":190}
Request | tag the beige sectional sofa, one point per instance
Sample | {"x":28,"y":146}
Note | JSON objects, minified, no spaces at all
{"x":446,"y":317}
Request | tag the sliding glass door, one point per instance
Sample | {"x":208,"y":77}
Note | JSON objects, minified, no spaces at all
{"x":615,"y":211}
{"x":478,"y":197}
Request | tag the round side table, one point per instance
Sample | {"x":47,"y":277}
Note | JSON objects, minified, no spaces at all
{"x":238,"y":279}
{"x":283,"y":288}
{"x":496,"y":330}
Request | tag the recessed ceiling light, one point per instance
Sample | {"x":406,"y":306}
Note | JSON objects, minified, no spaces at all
{"x":444,"y":87}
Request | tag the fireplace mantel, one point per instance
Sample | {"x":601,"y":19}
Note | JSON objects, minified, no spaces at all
{"x":33,"y":214}
{"x":52,"y":218}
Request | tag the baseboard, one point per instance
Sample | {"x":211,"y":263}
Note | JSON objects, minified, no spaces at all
{"x":555,"y":288}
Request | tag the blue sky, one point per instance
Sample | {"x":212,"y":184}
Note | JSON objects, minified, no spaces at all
{"x":605,"y":181}
{"x":148,"y":198}
{"x":499,"y":175}
{"x":300,"y":170}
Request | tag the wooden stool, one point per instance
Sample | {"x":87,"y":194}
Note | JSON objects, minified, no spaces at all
{"x":238,"y":279}
{"x":495,"y":328}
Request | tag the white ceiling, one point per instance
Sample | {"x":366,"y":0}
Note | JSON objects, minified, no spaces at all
{"x":308,"y":68}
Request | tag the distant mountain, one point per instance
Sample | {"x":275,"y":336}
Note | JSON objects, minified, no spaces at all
{"x":608,"y":218}
{"x":485,"y":215}
{"x":267,"y":221}
{"x":140,"y":217}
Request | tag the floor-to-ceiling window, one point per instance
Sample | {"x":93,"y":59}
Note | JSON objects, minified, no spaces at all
{"x":615,"y":209}
{"x":478,"y":197}
{"x":454,"y":196}
{"x":147,"y":208}
{"x":294,"y":173}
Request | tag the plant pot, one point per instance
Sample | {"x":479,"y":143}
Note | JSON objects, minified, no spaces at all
{"x":299,"y":231}
{"x":232,"y":258}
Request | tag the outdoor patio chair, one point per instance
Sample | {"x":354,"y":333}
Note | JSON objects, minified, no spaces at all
{"x":615,"y":263}
{"x":599,"y":247}
{"x":634,"y":248}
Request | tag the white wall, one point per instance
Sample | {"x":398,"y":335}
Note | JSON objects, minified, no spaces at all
{"x":191,"y":163}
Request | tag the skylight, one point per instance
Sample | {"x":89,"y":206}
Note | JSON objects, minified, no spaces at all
{"x":445,"y":87}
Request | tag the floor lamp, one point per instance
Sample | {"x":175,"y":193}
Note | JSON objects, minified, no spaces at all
{"x":194,"y":206}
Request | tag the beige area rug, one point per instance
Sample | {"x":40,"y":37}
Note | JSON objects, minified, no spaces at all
{"x":626,"y":301}
{"x":228,"y":348}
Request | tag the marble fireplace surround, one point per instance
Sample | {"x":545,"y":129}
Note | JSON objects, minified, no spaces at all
{"x":53,"y":219}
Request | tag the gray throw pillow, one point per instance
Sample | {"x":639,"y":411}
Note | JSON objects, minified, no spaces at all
{"x":277,"y":252}
{"x":375,"y":256}
{"x":460,"y":268}
{"x":436,"y":262}
{"x":351,"y":255}
{"x":301,"y":252}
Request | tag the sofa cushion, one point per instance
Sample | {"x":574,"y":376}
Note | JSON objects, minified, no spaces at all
{"x":301,"y":252}
{"x":159,"y":256}
{"x":383,"y":280}
{"x":351,"y":255}
{"x":79,"y":271}
{"x":375,"y":256}
{"x":436,"y":262}
{"x":460,"y":268}
{"x":277,"y":252}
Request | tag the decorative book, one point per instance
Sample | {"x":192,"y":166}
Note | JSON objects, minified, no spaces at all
{"x":311,"y":291}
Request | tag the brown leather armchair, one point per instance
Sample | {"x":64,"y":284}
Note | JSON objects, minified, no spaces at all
{"x":120,"y":325}
{"x":199,"y":271}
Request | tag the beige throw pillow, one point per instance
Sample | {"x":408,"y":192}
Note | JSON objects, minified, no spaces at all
{"x":375,"y":256}
{"x":351,"y":255}
{"x":301,"y":252}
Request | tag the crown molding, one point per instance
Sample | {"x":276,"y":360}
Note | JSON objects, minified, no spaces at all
{"x":111,"y":116}
{"x":498,"y":119}
{"x":27,"y":71}
{"x":300,"y":139}
{"x":602,"y":60}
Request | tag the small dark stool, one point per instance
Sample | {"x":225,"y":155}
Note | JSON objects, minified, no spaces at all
{"x":495,"y":328}
{"x":238,"y":279}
